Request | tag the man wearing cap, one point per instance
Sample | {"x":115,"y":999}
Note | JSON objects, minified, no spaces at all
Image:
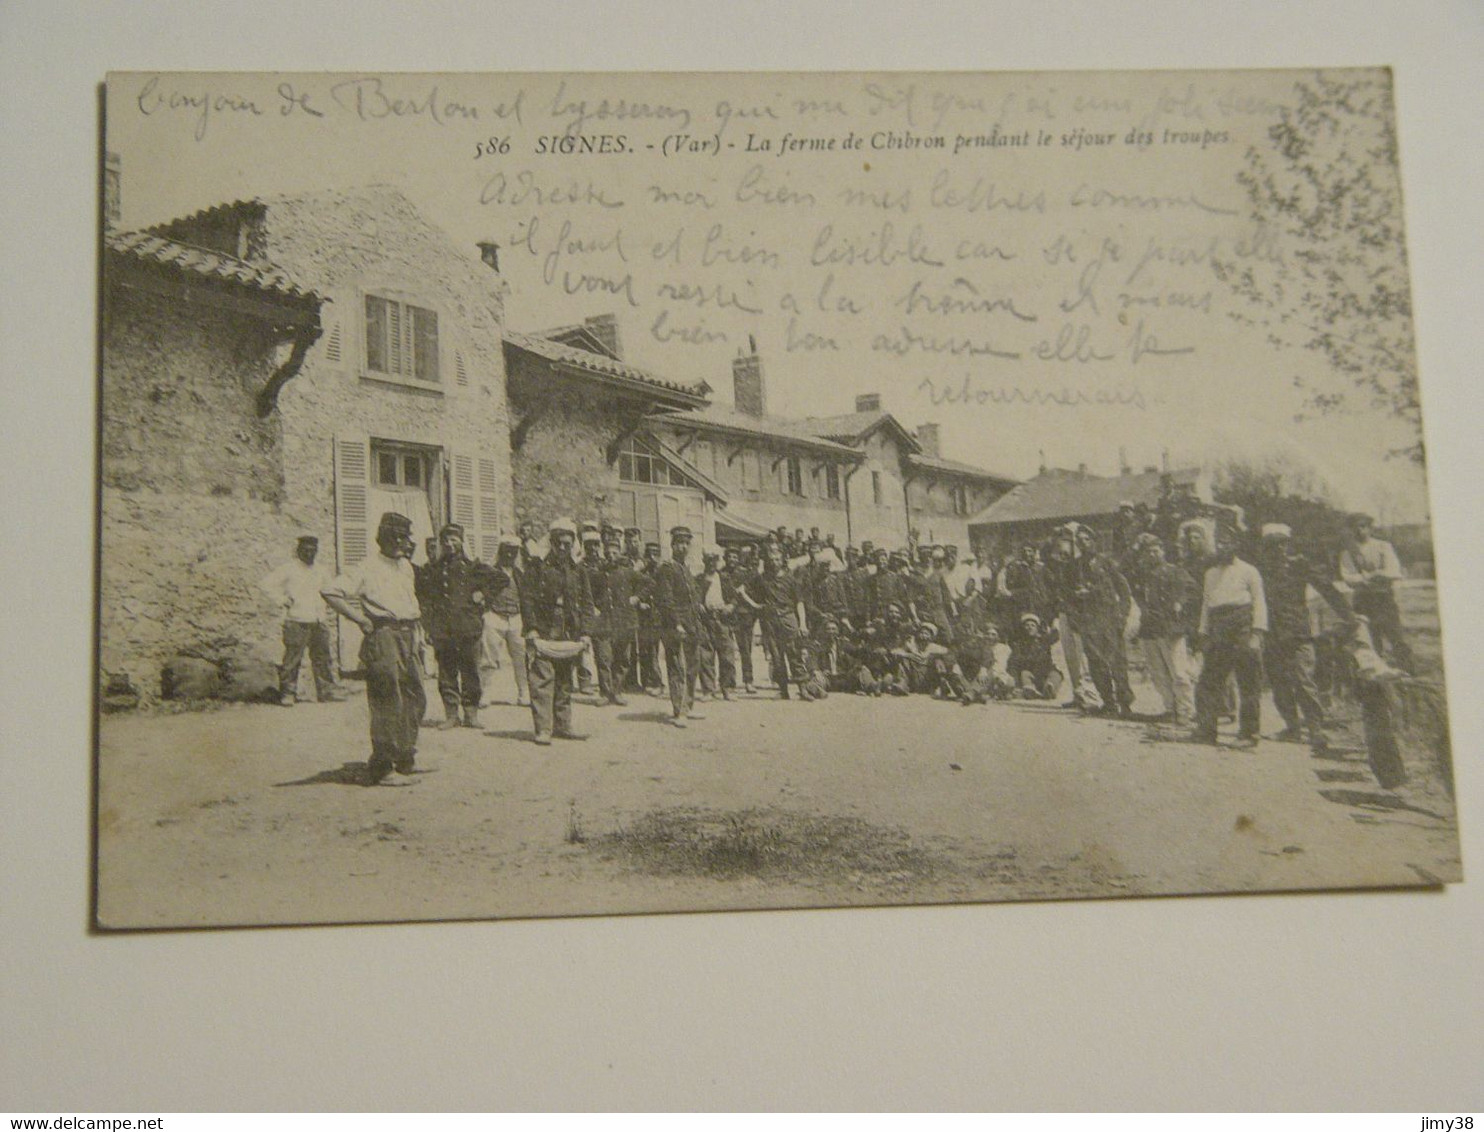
{"x":741,"y":565}
{"x":677,"y":617}
{"x":621,"y":586}
{"x":718,"y":652}
{"x":592,"y":563}
{"x":502,"y":613}
{"x":1288,"y":654}
{"x":295,"y":587}
{"x":1370,"y":567}
{"x":649,"y":632}
{"x":453,"y":592}
{"x":774,"y":594}
{"x":379,"y":594}
{"x":556,"y":608}
{"x":1168,"y":608}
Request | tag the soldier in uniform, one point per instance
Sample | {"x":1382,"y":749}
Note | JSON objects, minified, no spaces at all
{"x":677,"y":619}
{"x":775,"y":595}
{"x":380,"y":596}
{"x":741,"y":565}
{"x":502,"y":613}
{"x":621,"y":584}
{"x":718,"y":596}
{"x":649,"y":638}
{"x":556,"y":605}
{"x":454,"y":592}
{"x":595,"y":567}
{"x":1288,"y":653}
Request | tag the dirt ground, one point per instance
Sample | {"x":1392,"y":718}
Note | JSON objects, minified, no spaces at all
{"x":251,"y":814}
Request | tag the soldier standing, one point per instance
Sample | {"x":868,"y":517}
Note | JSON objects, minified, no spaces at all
{"x":775,"y":595}
{"x":296,"y":587}
{"x":502,"y":613}
{"x":741,"y":565}
{"x":677,"y":619}
{"x":1288,"y":651}
{"x":380,"y":596}
{"x":454,"y":592}
{"x":718,"y":596}
{"x":555,"y":607}
{"x":649,"y":639}
{"x":621,"y":584}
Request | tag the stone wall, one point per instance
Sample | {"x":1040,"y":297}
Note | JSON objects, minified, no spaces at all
{"x":192,"y":487}
{"x":562,"y":463}
{"x":202,"y":497}
{"x":342,"y":245}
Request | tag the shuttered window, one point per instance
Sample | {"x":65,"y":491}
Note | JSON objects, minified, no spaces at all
{"x":401,"y":339}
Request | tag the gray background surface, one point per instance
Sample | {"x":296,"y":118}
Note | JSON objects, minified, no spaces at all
{"x":1346,"y":1001}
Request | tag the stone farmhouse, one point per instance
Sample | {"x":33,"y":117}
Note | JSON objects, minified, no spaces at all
{"x":283,"y":366}
{"x":300,"y":364}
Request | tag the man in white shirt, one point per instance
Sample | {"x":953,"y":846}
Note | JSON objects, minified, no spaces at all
{"x":1370,"y":567}
{"x":1234,"y":618}
{"x":295,"y":586}
{"x":379,"y":595}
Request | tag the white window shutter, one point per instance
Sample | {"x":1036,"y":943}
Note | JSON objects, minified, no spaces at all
{"x":462,"y":495}
{"x":352,"y":529}
{"x":352,"y":524}
{"x":488,"y":492}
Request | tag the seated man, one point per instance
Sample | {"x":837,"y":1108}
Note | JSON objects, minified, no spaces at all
{"x":993,"y":680}
{"x":1030,"y":666}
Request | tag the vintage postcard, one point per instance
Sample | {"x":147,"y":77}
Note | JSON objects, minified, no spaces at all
{"x":547,"y":495}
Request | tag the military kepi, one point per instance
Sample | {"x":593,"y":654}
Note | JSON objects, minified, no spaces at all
{"x":395,"y":523}
{"x":678,"y":533}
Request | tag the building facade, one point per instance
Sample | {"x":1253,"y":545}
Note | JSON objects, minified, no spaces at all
{"x":396,"y":403}
{"x":585,"y":442}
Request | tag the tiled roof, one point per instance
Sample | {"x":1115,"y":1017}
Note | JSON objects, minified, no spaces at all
{"x":849,"y":426}
{"x":939,"y":464}
{"x":852,"y":428}
{"x":1062,"y":494}
{"x":727,"y":419}
{"x":259,"y":275}
{"x":600,"y":364}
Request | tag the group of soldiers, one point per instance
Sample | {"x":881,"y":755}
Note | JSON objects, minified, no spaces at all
{"x":598,"y":605}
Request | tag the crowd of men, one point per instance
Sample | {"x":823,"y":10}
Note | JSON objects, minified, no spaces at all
{"x":597,"y":609}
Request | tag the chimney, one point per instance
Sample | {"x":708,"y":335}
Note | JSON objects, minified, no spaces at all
{"x":868,"y":403}
{"x":1123,"y":465}
{"x":112,"y":190}
{"x":1165,"y":460}
{"x":1082,"y":469}
{"x":489,"y":251}
{"x":749,"y":393}
{"x":604,"y":327}
{"x":1042,"y":453}
{"x":927,"y":437}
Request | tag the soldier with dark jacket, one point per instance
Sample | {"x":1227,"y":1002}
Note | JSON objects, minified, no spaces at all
{"x":740,"y":566}
{"x":556,"y":605}
{"x":594,"y":565}
{"x":1169,"y":607}
{"x":620,"y":606}
{"x":649,"y":633}
{"x":775,"y":595}
{"x":677,"y":618}
{"x":1288,"y":647}
{"x":454,"y":592}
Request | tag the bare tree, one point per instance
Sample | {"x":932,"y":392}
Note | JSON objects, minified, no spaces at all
{"x":1326,"y":190}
